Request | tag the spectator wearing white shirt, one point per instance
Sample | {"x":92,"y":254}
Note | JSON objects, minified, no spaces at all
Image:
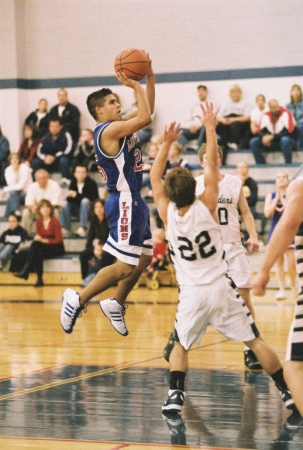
{"x":42,"y":188}
{"x":256,"y":113}
{"x":234,"y":122}
{"x":18,"y":177}
{"x":194,"y":129}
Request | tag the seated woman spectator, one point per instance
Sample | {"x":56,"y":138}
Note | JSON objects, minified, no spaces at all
{"x":4,"y":153}
{"x":95,"y":263}
{"x":234,"y":122}
{"x":39,"y":118}
{"x":29,"y":146}
{"x":273,"y":208}
{"x":84,"y":154}
{"x":18,"y":178}
{"x":97,"y":230}
{"x":296,"y":107}
{"x":11,"y":239}
{"x":47,"y":243}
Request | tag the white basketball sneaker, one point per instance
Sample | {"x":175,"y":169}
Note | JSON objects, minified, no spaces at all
{"x":70,"y":310}
{"x":115,"y":312}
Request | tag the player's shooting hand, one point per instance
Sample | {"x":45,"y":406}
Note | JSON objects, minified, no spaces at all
{"x":151,"y":71}
{"x":209,"y":117}
{"x":126,"y":81}
{"x":172,"y":133}
{"x":259,"y":283}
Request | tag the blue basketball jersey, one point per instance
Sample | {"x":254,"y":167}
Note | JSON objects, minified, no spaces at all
{"x":122,"y":172}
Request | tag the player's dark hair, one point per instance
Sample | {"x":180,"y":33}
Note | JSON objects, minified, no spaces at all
{"x":202,"y":151}
{"x":202,"y":86}
{"x":96,"y":99}
{"x":180,"y":187}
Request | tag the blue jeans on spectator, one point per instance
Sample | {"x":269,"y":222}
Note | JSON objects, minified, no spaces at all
{"x":6,"y":252}
{"x":62,"y":164}
{"x":189,"y":136}
{"x":13,"y":202}
{"x":300,"y":134}
{"x":72,"y":209}
{"x":286,"y":145}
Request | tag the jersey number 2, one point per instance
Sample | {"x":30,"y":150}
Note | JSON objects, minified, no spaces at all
{"x":202,"y":240}
{"x":138,"y":160}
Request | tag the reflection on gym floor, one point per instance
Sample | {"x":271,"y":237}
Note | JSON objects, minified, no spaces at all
{"x":222,"y":409}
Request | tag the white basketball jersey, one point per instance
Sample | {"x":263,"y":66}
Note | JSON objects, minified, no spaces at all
{"x":195,"y":245}
{"x":229,"y":216}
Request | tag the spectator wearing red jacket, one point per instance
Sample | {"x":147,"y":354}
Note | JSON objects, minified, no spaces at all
{"x":276,"y":132}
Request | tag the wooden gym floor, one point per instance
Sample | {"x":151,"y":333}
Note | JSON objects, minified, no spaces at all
{"x":95,"y":389}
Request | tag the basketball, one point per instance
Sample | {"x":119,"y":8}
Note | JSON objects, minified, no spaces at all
{"x":133,"y":62}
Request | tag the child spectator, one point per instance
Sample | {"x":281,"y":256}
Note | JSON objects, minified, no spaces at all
{"x":11,"y":239}
{"x":95,"y":263}
{"x":159,"y":249}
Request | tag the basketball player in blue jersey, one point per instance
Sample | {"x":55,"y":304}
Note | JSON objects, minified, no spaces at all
{"x":290,"y":226}
{"x":119,"y":159}
{"x":207,"y":296}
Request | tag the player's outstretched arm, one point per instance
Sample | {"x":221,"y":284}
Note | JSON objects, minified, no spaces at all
{"x":134,"y":121}
{"x":171,"y":133}
{"x":282,"y":236}
{"x":211,"y":171}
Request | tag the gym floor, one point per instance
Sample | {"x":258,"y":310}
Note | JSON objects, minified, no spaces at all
{"x":95,"y":389}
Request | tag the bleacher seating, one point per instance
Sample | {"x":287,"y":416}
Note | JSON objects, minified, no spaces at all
{"x":65,"y":270}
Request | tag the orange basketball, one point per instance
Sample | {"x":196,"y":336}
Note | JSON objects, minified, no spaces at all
{"x":133,"y":62}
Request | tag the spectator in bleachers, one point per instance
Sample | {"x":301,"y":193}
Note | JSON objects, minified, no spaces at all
{"x":152,"y":150}
{"x":250,"y":191}
{"x":175,"y":157}
{"x":47,"y":243}
{"x":68,"y":114}
{"x":296,"y":107}
{"x":29,"y":146}
{"x":98,"y":229}
{"x":55,"y":151}
{"x":273,"y":209}
{"x":276,"y":132}
{"x":256,"y":113}
{"x":82,"y":191}
{"x":42,"y":188}
{"x":159,"y":249}
{"x":85,"y":151}
{"x":4,"y":153}
{"x":18,"y":178}
{"x":234,"y":122}
{"x":11,"y":238}
{"x":194,"y":130}
{"x":95,"y":262}
{"x":39,"y":118}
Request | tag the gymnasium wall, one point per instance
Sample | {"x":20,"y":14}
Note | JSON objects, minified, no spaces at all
{"x":45,"y":45}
